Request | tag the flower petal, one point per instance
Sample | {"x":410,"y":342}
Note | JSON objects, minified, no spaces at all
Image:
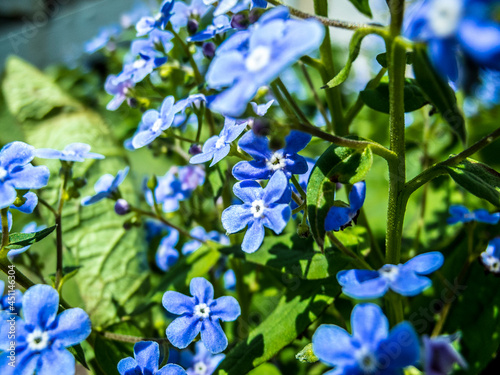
{"x":369,"y":324}
{"x":253,"y":237}
{"x":225,"y":308}
{"x":56,"y":361}
{"x":333,"y":345}
{"x":276,"y":188}
{"x":213,"y":336}
{"x":71,"y":327}
{"x":296,"y":141}
{"x":183,"y":330}
{"x":171,"y":369}
{"x":202,"y":290}
{"x":255,"y":146}
{"x":425,"y":264}
{"x":357,"y":195}
{"x":147,"y":355}
{"x":410,"y":284}
{"x":178,"y":303}
{"x":236,"y":217}
{"x":16,"y":154}
{"x":370,"y":289}
{"x":127,"y":365}
{"x":401,"y":348}
{"x":276,"y":218}
{"x":248,"y":191}
{"x":30,"y":177}
{"x":40,"y":305}
{"x":8,"y":195}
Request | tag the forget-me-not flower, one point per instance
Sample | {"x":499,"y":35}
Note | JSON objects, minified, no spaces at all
{"x":461,"y":214}
{"x":140,"y":68}
{"x":183,"y":12}
{"x":147,"y":24}
{"x":42,"y":336}
{"x":200,"y":233}
{"x":406,"y":279}
{"x":340,"y":217}
{"x":217,"y":147}
{"x":106,"y":186}
{"x":266,"y":162}
{"x":251,"y":59}
{"x":491,"y":256}
{"x":30,"y":202}
{"x":220,"y":24}
{"x":371,"y":348}
{"x":439,"y":355}
{"x":119,"y":88}
{"x":200,"y":313}
{"x":202,"y":362}
{"x":167,"y":255}
{"x":74,"y":152}
{"x":102,"y":38}
{"x":31,"y":227}
{"x":154,"y":123}
{"x":268,"y":207}
{"x":157,"y":43}
{"x":146,"y":362}
{"x":17,"y":172}
{"x":235,"y":6}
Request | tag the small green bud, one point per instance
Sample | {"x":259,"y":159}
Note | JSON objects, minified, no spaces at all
{"x":307,"y":355}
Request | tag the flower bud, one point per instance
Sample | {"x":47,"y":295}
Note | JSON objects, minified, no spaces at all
{"x":261,"y":127}
{"x":240,"y":21}
{"x":208,"y":50}
{"x":122,"y":207}
{"x":195,"y":149}
{"x":192,"y":26}
{"x":132,"y":102}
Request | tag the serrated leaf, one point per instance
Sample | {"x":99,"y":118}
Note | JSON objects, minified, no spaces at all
{"x":378,"y":98}
{"x":363,"y":6}
{"x":478,"y":179}
{"x":438,"y":91}
{"x":20,"y":240}
{"x":337,"y":164}
{"x":295,"y":311}
{"x":292,"y":255}
{"x":112,"y":260}
{"x":354,"y":48}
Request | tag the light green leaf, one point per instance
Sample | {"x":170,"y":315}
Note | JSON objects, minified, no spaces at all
{"x":337,"y":164}
{"x":295,"y":311}
{"x":478,"y":179}
{"x":20,"y":240}
{"x":438,"y":91}
{"x":112,"y":260}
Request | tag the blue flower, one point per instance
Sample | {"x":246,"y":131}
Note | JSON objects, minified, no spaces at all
{"x":251,"y":59}
{"x":268,"y":207}
{"x":167,"y":255}
{"x":17,"y":173}
{"x":139,"y":69}
{"x":102,"y":39}
{"x":200,"y":313}
{"x":146,"y":361}
{"x":340,"y":217}
{"x":194,"y":100}
{"x":371,"y":348}
{"x":235,"y":6}
{"x":456,"y":27}
{"x":106,"y":187}
{"x":157,"y":44}
{"x":31,"y":227}
{"x":491,"y":256}
{"x":219,"y":25}
{"x":406,"y":279}
{"x":190,"y":178}
{"x":43,"y":336}
{"x":199,"y":232}
{"x":119,"y":88}
{"x":148,"y":24}
{"x":72,"y":152}
{"x":202,"y":362}
{"x":267,"y":162}
{"x":10,"y":302}
{"x":461,"y":214}
{"x":440,"y":356}
{"x":154,"y":123}
{"x":217,"y":147}
{"x":30,"y":202}
{"x":182,"y":13}
{"x":229,"y":280}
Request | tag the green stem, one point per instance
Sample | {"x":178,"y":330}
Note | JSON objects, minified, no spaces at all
{"x":319,"y":103}
{"x":5,"y":228}
{"x":197,"y":75}
{"x":301,"y":191}
{"x":356,"y":259}
{"x":333,"y":96}
{"x":66,"y":174}
{"x":128,"y":338}
{"x":291,"y":101}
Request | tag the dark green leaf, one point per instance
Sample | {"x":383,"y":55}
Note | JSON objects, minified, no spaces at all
{"x":363,"y":6}
{"x":293,"y":255}
{"x":79,"y":354}
{"x":354,"y":48}
{"x":378,"y":98}
{"x":478,"y":179}
{"x":20,"y":240}
{"x":438,"y":91}
{"x":337,"y":164}
{"x":296,"y":310}
{"x":382,"y":59}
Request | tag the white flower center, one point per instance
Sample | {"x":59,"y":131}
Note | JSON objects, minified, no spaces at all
{"x":257,"y":208}
{"x":139,"y":63}
{"x":492,"y":263}
{"x":200,"y":368}
{"x":38,"y":340}
{"x":258,"y":59}
{"x":444,"y":17}
{"x":157,"y":125}
{"x":366,"y":360}
{"x":202,"y":311}
{"x":389,"y":272}
{"x":220,"y":143}
{"x":3,"y":173}
{"x":276,"y":162}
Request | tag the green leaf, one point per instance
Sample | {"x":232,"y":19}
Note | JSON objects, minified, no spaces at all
{"x":354,"y":48}
{"x":265,"y":369}
{"x":378,"y":98}
{"x":438,"y":91}
{"x":20,"y":240}
{"x":382,"y":59}
{"x":112,"y":259}
{"x":79,"y":354}
{"x":363,"y":6}
{"x":337,"y":164}
{"x":478,"y":179}
{"x":296,"y":310}
{"x":292,"y":255}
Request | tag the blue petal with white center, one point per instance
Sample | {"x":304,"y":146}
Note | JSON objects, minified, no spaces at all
{"x":74,"y":152}
{"x":106,"y":187}
{"x":339,"y":217}
{"x":461,"y":214}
